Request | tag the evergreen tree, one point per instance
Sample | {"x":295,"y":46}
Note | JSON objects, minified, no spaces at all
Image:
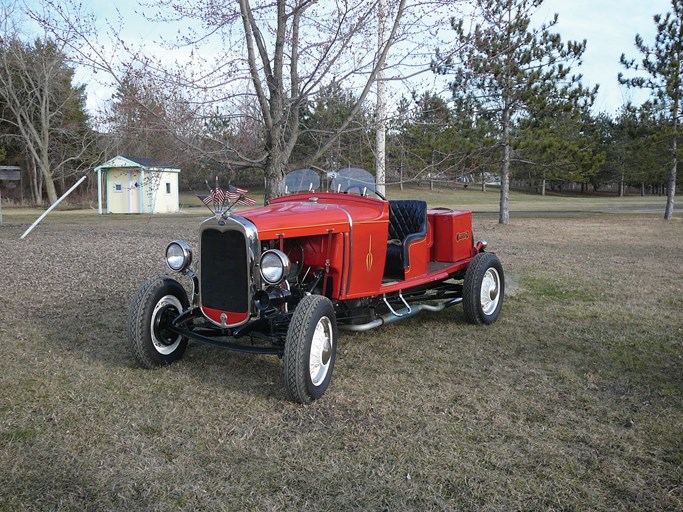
{"x":562,"y":148}
{"x":662,"y":64}
{"x":507,"y":67}
{"x":321,"y":117}
{"x":638,"y":152}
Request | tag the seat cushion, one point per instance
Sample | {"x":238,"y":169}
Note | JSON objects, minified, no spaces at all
{"x":407,"y":217}
{"x":394,"y":264}
{"x":407,"y":223}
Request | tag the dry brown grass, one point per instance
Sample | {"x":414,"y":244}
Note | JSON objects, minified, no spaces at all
{"x":572,"y":401}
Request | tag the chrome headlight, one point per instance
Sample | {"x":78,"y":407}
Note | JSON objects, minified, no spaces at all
{"x":178,"y":255}
{"x":274,"y":266}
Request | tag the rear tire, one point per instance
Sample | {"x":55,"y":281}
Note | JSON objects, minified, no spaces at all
{"x":310,"y":349}
{"x":483,"y":289}
{"x":156,"y":304}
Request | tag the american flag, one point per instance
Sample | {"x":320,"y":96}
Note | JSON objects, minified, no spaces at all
{"x":237,"y":194}
{"x":216,"y":196}
{"x":246,"y":201}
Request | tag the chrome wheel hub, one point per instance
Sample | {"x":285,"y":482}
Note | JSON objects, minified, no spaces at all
{"x":490,"y":291}
{"x":164,"y":340}
{"x":321,"y":351}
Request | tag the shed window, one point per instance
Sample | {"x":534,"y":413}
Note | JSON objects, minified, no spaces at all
{"x":168,"y":187}
{"x":118,"y":187}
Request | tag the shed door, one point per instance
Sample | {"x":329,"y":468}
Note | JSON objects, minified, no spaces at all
{"x":133,"y":192}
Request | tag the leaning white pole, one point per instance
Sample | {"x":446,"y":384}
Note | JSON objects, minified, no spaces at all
{"x":52,"y":207}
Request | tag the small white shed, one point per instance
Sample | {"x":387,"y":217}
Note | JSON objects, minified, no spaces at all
{"x":137,"y":185}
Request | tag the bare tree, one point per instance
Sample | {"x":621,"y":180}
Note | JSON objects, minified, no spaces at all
{"x":41,"y":104}
{"x":280,"y":52}
{"x":380,"y":146}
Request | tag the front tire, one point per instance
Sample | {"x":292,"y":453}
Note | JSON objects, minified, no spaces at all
{"x":152,"y":309}
{"x":310,"y":349}
{"x":483,"y":289}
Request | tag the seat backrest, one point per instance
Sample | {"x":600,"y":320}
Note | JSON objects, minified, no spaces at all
{"x":407,"y":217}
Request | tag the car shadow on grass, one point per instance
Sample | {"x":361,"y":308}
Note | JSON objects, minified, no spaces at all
{"x":96,"y":333}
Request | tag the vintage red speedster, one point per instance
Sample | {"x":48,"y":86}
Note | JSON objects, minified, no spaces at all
{"x":284,"y":278}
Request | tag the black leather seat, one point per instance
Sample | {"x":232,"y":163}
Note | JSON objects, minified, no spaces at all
{"x":407,"y":223}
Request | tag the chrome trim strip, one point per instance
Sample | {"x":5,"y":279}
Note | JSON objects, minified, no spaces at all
{"x":350,"y":264}
{"x":253,"y":248}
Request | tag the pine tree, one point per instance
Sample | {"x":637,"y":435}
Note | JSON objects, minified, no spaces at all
{"x":561,"y":148}
{"x":662,"y":64}
{"x":508,"y":67}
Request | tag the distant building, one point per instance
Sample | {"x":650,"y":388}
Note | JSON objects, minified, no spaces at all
{"x":10,"y":174}
{"x":137,"y":185}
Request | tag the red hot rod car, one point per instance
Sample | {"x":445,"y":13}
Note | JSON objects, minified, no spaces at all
{"x":285,"y":278}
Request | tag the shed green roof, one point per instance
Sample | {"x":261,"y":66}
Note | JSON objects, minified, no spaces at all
{"x":121,"y":161}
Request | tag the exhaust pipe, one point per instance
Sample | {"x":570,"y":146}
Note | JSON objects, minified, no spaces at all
{"x":401,"y":314}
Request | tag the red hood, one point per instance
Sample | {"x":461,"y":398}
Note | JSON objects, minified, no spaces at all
{"x":292,"y":219}
{"x":309,"y":214}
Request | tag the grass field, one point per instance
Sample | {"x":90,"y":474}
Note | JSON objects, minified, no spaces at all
{"x":473,"y":199}
{"x":573,"y":400}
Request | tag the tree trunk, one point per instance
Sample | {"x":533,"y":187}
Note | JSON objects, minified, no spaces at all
{"x":35,"y":182}
{"x":543,"y":186}
{"x":380,"y":148}
{"x":621,"y":185}
{"x":504,"y":214}
{"x":401,"y":171}
{"x":671,"y":188}
{"x":32,"y":181}
{"x":50,"y":189}
{"x":642,"y":189}
{"x":275,"y":171}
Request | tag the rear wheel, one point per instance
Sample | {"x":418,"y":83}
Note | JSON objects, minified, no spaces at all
{"x":483,"y":289}
{"x":310,"y":349}
{"x":152,"y":309}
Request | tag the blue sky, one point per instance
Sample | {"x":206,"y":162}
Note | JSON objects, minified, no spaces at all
{"x":609,"y":26}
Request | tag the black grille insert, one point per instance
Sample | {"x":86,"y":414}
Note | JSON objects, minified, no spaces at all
{"x":224,"y":271}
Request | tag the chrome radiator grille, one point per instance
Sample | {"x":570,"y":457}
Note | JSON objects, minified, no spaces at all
{"x":224,"y":271}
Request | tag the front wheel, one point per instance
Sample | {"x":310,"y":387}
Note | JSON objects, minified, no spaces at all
{"x":483,"y":289}
{"x":152,"y":309}
{"x":310,"y":349}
